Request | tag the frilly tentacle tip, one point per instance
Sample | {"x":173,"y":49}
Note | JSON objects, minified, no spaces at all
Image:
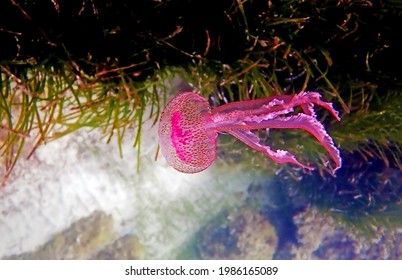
{"x":336,"y":169}
{"x":336,"y":115}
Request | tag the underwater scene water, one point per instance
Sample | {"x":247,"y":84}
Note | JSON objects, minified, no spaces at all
{"x":75,"y":198}
{"x":304,"y":95}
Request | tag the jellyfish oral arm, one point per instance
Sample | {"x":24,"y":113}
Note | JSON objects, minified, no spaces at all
{"x":240,"y":118}
{"x":300,"y":121}
{"x":279,"y":156}
{"x":278,"y":104}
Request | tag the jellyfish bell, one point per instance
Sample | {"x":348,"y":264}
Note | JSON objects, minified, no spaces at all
{"x":186,"y":142}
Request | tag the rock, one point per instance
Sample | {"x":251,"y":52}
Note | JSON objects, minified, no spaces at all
{"x":321,"y":236}
{"x":243,"y":234}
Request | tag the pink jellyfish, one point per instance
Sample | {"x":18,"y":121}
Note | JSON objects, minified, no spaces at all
{"x":188,"y":127}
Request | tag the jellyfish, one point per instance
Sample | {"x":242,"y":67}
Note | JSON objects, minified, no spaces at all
{"x":189,"y":127}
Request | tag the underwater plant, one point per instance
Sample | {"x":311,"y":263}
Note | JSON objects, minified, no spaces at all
{"x":188,"y":127}
{"x":116,"y":57}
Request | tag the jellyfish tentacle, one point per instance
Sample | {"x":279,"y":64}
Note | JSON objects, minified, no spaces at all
{"x":279,"y":156}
